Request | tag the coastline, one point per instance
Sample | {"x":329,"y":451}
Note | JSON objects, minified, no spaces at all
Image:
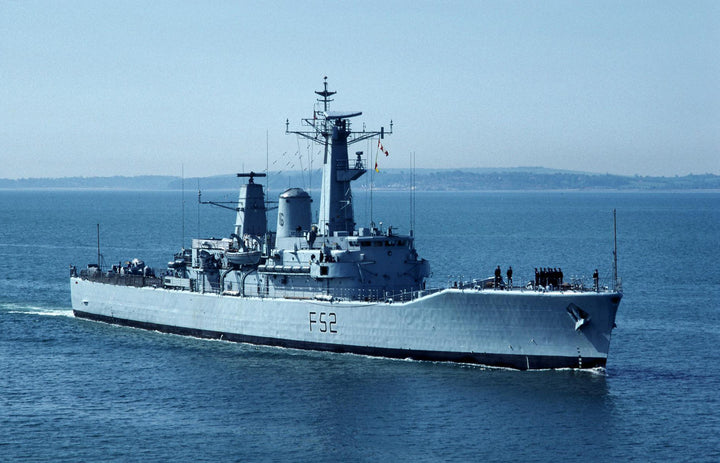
{"x":401,"y":180}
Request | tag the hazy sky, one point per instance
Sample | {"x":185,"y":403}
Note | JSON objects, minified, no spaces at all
{"x":130,"y":88}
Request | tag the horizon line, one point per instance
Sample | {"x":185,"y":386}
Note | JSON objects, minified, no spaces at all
{"x":548,"y":170}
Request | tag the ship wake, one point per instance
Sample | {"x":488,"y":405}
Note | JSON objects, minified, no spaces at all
{"x":27,"y":309}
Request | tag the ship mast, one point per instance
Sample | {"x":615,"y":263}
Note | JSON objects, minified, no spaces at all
{"x":332,"y":130}
{"x":615,"y":272}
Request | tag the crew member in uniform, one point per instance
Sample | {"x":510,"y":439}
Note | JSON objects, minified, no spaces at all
{"x":596,"y":280}
{"x":509,"y":277}
{"x":498,"y":272}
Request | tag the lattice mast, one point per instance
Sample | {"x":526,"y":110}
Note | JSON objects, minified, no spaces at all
{"x":332,"y":130}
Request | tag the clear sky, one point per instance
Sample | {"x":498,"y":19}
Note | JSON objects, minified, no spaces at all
{"x":97,"y":88}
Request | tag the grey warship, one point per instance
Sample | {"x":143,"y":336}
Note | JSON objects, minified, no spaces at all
{"x":332,"y":286}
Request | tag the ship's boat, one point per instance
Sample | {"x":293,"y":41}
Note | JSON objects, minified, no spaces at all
{"x":243,"y":257}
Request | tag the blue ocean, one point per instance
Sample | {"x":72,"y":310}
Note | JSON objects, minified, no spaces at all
{"x":76,"y":390}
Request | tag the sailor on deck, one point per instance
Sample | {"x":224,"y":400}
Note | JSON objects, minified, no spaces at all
{"x":596,"y":281}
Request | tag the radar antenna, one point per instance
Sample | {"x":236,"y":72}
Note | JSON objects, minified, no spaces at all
{"x":252,"y":175}
{"x":224,"y":204}
{"x":322,"y":122}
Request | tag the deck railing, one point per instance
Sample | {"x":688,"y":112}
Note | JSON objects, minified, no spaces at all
{"x":114,"y":278}
{"x":340,"y":294}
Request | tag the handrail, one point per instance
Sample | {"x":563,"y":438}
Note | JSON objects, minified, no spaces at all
{"x":373,"y":295}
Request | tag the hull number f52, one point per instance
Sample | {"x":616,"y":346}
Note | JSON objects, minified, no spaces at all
{"x":325,"y":322}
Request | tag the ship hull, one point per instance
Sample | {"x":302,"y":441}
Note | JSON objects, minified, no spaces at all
{"x":514,"y":329}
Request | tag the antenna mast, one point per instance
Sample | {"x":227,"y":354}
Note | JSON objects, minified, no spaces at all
{"x":98,"y":246}
{"x":412,"y":197}
{"x":182,"y":203}
{"x":615,"y":273}
{"x":372,"y":186}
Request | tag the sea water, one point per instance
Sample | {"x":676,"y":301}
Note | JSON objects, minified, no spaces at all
{"x":76,"y":390}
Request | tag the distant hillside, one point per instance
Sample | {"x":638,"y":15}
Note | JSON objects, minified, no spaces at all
{"x":522,"y":178}
{"x":457,"y":180}
{"x":143,"y":182}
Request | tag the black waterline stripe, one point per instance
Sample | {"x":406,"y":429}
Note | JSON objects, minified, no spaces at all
{"x":519,"y":362}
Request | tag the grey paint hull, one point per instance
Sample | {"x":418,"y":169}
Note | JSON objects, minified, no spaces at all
{"x":516,"y":329}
